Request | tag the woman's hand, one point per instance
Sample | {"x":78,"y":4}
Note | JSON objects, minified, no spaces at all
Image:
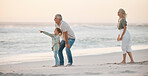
{"x":118,"y":38}
{"x":121,"y":37}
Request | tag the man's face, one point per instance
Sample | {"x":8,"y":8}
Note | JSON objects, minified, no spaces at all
{"x":56,"y":20}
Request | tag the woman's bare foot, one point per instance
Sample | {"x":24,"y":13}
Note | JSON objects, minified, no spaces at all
{"x":132,"y":62}
{"x":123,"y":62}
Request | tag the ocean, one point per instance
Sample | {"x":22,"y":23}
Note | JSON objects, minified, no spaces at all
{"x":25,"y":38}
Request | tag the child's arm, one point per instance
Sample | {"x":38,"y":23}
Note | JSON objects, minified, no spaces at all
{"x":51,"y":35}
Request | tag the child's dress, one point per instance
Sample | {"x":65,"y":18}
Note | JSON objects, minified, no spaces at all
{"x":55,"y":46}
{"x":126,"y":40}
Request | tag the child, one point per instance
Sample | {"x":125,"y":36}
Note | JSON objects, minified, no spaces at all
{"x":124,"y":36}
{"x":55,"y":43}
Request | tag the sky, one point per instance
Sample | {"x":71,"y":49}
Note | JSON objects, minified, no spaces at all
{"x":75,"y":11}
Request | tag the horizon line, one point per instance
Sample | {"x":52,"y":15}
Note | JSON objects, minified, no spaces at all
{"x":71,"y":22}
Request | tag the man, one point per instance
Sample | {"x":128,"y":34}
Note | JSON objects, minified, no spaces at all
{"x":68,"y":38}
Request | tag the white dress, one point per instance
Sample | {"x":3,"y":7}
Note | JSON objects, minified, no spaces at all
{"x":126,"y":40}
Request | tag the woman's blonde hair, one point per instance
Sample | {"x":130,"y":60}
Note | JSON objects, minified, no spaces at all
{"x":123,"y":12}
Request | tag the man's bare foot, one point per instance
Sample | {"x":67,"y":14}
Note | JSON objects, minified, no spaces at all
{"x":61,"y":65}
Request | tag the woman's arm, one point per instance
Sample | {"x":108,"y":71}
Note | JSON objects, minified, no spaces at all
{"x":123,"y":33}
{"x":118,"y":38}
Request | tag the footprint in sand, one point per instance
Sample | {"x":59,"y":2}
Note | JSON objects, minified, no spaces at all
{"x":92,"y":73}
{"x":1,"y":73}
{"x":140,"y":63}
{"x":46,"y":66}
{"x":126,"y":71}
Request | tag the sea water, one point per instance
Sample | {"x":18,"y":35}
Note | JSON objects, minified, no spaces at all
{"x":26,"y":39}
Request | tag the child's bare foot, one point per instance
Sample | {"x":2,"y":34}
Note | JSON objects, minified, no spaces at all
{"x":54,"y":66}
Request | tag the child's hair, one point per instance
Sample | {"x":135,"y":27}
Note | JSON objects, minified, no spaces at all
{"x":59,"y":31}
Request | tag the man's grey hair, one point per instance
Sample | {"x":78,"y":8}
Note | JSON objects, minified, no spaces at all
{"x":59,"y":16}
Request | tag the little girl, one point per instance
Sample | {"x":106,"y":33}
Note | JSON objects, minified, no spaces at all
{"x":124,"y":36}
{"x":55,"y":43}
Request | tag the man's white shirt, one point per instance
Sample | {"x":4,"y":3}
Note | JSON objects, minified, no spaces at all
{"x":65,"y":28}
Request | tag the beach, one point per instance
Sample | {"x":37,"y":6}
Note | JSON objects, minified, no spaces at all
{"x":35,"y":36}
{"x":107,"y":64}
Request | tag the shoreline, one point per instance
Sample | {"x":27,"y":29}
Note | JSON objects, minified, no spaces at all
{"x":104,"y":65}
{"x":21,"y":58}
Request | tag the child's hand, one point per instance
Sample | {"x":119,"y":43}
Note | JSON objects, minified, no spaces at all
{"x":41,"y":31}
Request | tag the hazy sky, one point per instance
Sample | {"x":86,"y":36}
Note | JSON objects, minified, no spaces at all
{"x":84,"y":11}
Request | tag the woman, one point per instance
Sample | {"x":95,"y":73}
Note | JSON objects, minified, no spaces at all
{"x":124,"y":36}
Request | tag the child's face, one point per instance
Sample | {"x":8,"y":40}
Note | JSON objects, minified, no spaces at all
{"x":55,"y":32}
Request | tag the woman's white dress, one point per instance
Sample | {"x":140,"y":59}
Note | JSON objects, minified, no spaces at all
{"x":126,"y":40}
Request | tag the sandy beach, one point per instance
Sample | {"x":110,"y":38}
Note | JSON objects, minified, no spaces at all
{"x":92,"y":36}
{"x":95,"y":65}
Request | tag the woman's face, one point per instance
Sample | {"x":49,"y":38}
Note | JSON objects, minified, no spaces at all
{"x":119,"y":13}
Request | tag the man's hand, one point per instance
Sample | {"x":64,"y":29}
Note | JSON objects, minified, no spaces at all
{"x":67,"y":45}
{"x":66,"y":40}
